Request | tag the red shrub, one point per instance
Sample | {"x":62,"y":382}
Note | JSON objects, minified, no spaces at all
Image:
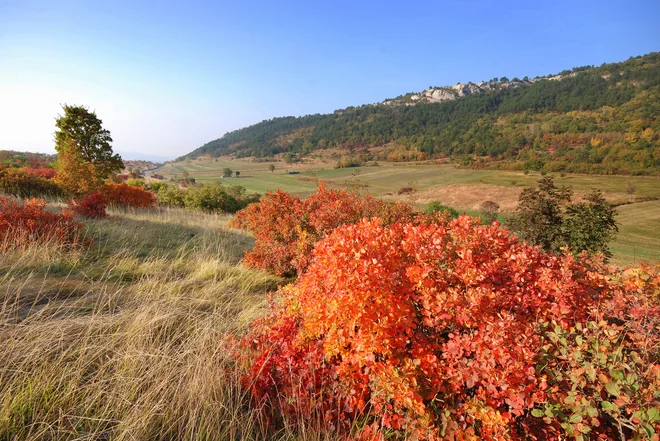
{"x":19,"y":182}
{"x":46,"y":173}
{"x":24,"y":224}
{"x":128,"y":196}
{"x":457,"y":331}
{"x":91,"y":206}
{"x":287,"y":227}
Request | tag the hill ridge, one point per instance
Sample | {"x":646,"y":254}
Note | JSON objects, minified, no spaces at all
{"x":557,"y":120}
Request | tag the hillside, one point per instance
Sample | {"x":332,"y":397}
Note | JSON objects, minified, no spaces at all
{"x":588,"y":120}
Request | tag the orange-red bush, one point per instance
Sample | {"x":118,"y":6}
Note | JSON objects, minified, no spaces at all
{"x":458,"y":331}
{"x":22,"y":224}
{"x":91,"y":206}
{"x":286,"y":227}
{"x":46,"y":173}
{"x":19,"y":182}
{"x":128,"y":196}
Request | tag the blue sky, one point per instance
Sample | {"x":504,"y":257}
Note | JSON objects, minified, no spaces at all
{"x":167,"y":77}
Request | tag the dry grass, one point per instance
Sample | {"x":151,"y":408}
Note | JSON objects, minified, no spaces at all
{"x":465,"y":196}
{"x":471,"y":196}
{"x":124,"y":340}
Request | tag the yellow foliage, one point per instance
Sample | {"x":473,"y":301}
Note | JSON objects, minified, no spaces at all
{"x":75,"y":176}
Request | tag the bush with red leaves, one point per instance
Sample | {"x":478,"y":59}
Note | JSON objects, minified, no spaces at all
{"x":286,"y":227}
{"x":458,"y":331}
{"x":20,"y":182}
{"x":46,"y":173}
{"x":128,"y":196}
{"x":22,"y":224}
{"x":91,"y":206}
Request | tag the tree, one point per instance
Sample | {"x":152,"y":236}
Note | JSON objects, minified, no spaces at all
{"x":590,"y":224}
{"x":85,"y":156}
{"x":546,"y":217}
{"x":237,"y":173}
{"x":271,"y":168}
{"x":227,"y":172}
{"x":490,"y":209}
{"x":538,"y":218}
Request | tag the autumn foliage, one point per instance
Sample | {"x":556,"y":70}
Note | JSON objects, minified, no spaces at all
{"x":451,"y":331}
{"x":127,"y":196}
{"x":22,"y":224}
{"x":42,"y":172}
{"x":286,"y":227}
{"x":91,"y":206}
{"x":23,"y":182}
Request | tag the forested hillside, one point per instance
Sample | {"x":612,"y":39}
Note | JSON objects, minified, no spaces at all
{"x":595,"y":120}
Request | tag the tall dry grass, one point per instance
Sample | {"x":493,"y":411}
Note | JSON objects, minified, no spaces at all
{"x":124,"y":340}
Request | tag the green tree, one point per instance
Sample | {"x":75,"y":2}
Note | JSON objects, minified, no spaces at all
{"x":271,"y":167}
{"x":545,"y":216}
{"x":590,"y":225}
{"x":227,"y":172}
{"x":237,"y":173}
{"x":85,"y":156}
{"x":538,"y":218}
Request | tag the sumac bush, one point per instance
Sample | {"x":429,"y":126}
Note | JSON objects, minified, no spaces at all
{"x":46,"y":173}
{"x":22,"y":224}
{"x":22,"y":183}
{"x":286,"y":227}
{"x":457,"y":331}
{"x":127,"y":196}
{"x":91,"y":206}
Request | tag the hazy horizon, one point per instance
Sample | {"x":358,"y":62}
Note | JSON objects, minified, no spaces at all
{"x":166,"y":79}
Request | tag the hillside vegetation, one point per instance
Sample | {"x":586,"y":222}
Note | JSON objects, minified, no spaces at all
{"x":591,"y":119}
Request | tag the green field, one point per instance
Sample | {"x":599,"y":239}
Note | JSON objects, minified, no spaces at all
{"x":389,"y":177}
{"x":639,"y":223}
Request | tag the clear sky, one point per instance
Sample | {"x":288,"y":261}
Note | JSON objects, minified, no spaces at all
{"x":167,"y":77}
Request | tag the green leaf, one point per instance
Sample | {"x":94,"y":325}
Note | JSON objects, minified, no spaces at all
{"x":606,"y":405}
{"x":613,"y":388}
{"x":653,"y":414}
{"x":649,"y":429}
{"x":617,"y":374}
{"x":575,"y":418}
{"x":537,"y":413}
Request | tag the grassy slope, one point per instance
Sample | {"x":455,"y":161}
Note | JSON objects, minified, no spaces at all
{"x":123,"y":341}
{"x":639,"y":236}
{"x":639,"y":233}
{"x":390,"y":177}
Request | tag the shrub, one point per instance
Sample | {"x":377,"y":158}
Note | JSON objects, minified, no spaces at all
{"x":405,"y":190}
{"x":213,"y":197}
{"x":135,"y":182}
{"x":489,"y":210}
{"x":22,"y":224}
{"x":457,"y":331}
{"x":172,"y":195}
{"x":20,"y":182}
{"x":287,"y":227}
{"x":155,"y":186}
{"x":127,"y":196}
{"x":46,"y":173}
{"x":91,"y":206}
{"x":437,"y":207}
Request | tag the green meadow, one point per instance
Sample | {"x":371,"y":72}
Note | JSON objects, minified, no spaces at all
{"x":639,"y":222}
